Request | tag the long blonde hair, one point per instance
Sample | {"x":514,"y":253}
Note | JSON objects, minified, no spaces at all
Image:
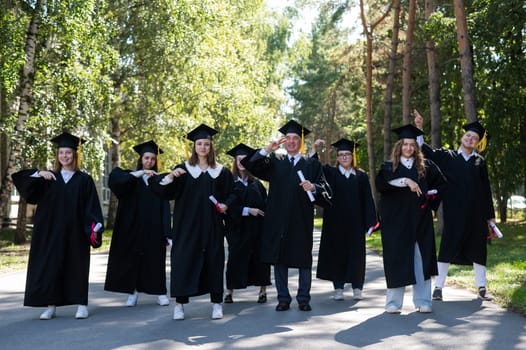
{"x":418,"y":156}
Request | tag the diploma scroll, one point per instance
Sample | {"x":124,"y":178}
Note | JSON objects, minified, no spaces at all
{"x":495,"y":230}
{"x":215,"y":202}
{"x":95,"y":241}
{"x":302,"y":178}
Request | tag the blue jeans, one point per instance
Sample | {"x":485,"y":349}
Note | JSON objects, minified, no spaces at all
{"x":281,"y":277}
{"x":421,"y":290}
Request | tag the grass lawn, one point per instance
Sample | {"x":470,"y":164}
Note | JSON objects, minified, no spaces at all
{"x":506,"y":266}
{"x":14,"y":257}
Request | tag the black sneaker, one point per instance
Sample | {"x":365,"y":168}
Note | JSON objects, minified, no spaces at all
{"x":262,"y":298}
{"x":437,"y":294}
{"x":228,"y":299}
{"x":482,"y":294}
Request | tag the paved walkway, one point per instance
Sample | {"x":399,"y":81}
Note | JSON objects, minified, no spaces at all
{"x":461,"y":322}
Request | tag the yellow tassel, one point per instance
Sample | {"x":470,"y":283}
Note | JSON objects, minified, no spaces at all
{"x":302,"y":148}
{"x":79,"y":153}
{"x":158,"y":159}
{"x":354,"y":161}
{"x":481,"y":145}
{"x":186,"y":148}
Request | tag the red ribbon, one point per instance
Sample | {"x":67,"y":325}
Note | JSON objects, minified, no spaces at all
{"x":93,"y":236}
{"x":429,"y":197}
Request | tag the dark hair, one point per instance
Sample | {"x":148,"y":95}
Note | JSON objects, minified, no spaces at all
{"x":418,"y":156}
{"x":236,"y":172}
{"x":210,"y":158}
{"x":57,"y":166}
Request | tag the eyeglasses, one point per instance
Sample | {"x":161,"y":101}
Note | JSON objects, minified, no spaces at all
{"x":344,"y":155}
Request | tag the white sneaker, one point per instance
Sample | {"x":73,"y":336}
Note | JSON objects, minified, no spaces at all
{"x":424,"y":309}
{"x":392,"y":310}
{"x":178,"y":312}
{"x":217,"y":311}
{"x":49,"y":313}
{"x":82,"y":312}
{"x":357,"y":294}
{"x":132,"y":299}
{"x":163,"y":300}
{"x":338,"y":294}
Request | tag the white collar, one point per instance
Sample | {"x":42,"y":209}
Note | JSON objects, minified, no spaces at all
{"x":407,"y":162}
{"x":244,"y":182}
{"x":196,"y":171}
{"x":466,"y":156}
{"x":66,"y":174}
{"x":346,"y":173}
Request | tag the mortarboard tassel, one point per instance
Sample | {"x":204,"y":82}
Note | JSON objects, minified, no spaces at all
{"x":481,"y":145}
{"x":79,"y":153}
{"x":186,"y":148}
{"x":158,"y":158}
{"x":302,"y":148}
{"x":354,"y":161}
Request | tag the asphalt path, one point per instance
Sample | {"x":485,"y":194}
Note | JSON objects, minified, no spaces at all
{"x":460,"y":322}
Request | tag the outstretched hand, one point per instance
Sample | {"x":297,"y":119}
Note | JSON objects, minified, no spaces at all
{"x":419,"y":120}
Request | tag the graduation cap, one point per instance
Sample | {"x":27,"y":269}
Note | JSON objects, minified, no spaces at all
{"x":203,"y":131}
{"x":347,"y":145}
{"x":67,"y":140}
{"x":241,"y":150}
{"x":293,"y":127}
{"x":475,"y":127}
{"x":408,"y":131}
{"x":148,"y":146}
{"x":481,"y":131}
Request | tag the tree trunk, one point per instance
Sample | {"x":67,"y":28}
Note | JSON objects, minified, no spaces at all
{"x":466,"y":61}
{"x":434,"y":101}
{"x":406,"y":67}
{"x":390,"y":80}
{"x":368,"y":30}
{"x":21,"y":222}
{"x":434,"y":84}
{"x":25,"y":88}
{"x":115,"y":153}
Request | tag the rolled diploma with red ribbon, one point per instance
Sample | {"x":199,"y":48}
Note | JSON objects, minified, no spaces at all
{"x":302,"y":178}
{"x":216,"y":203}
{"x":94,"y":230}
{"x":495,"y":230}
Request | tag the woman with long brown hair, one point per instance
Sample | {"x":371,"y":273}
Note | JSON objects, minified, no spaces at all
{"x":408,"y":184}
{"x":202,"y":189}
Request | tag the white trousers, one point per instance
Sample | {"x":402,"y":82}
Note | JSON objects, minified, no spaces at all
{"x":480,"y":274}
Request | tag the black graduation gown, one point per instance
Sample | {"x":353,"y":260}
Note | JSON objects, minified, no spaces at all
{"x":137,"y":256}
{"x":243,"y":235}
{"x":197,"y":254}
{"x":467,"y":205}
{"x":289,"y":214}
{"x":407,"y":219}
{"x":59,"y":257}
{"x":342,"y":247}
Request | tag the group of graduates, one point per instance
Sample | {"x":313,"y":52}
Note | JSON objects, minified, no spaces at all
{"x":211,"y":202}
